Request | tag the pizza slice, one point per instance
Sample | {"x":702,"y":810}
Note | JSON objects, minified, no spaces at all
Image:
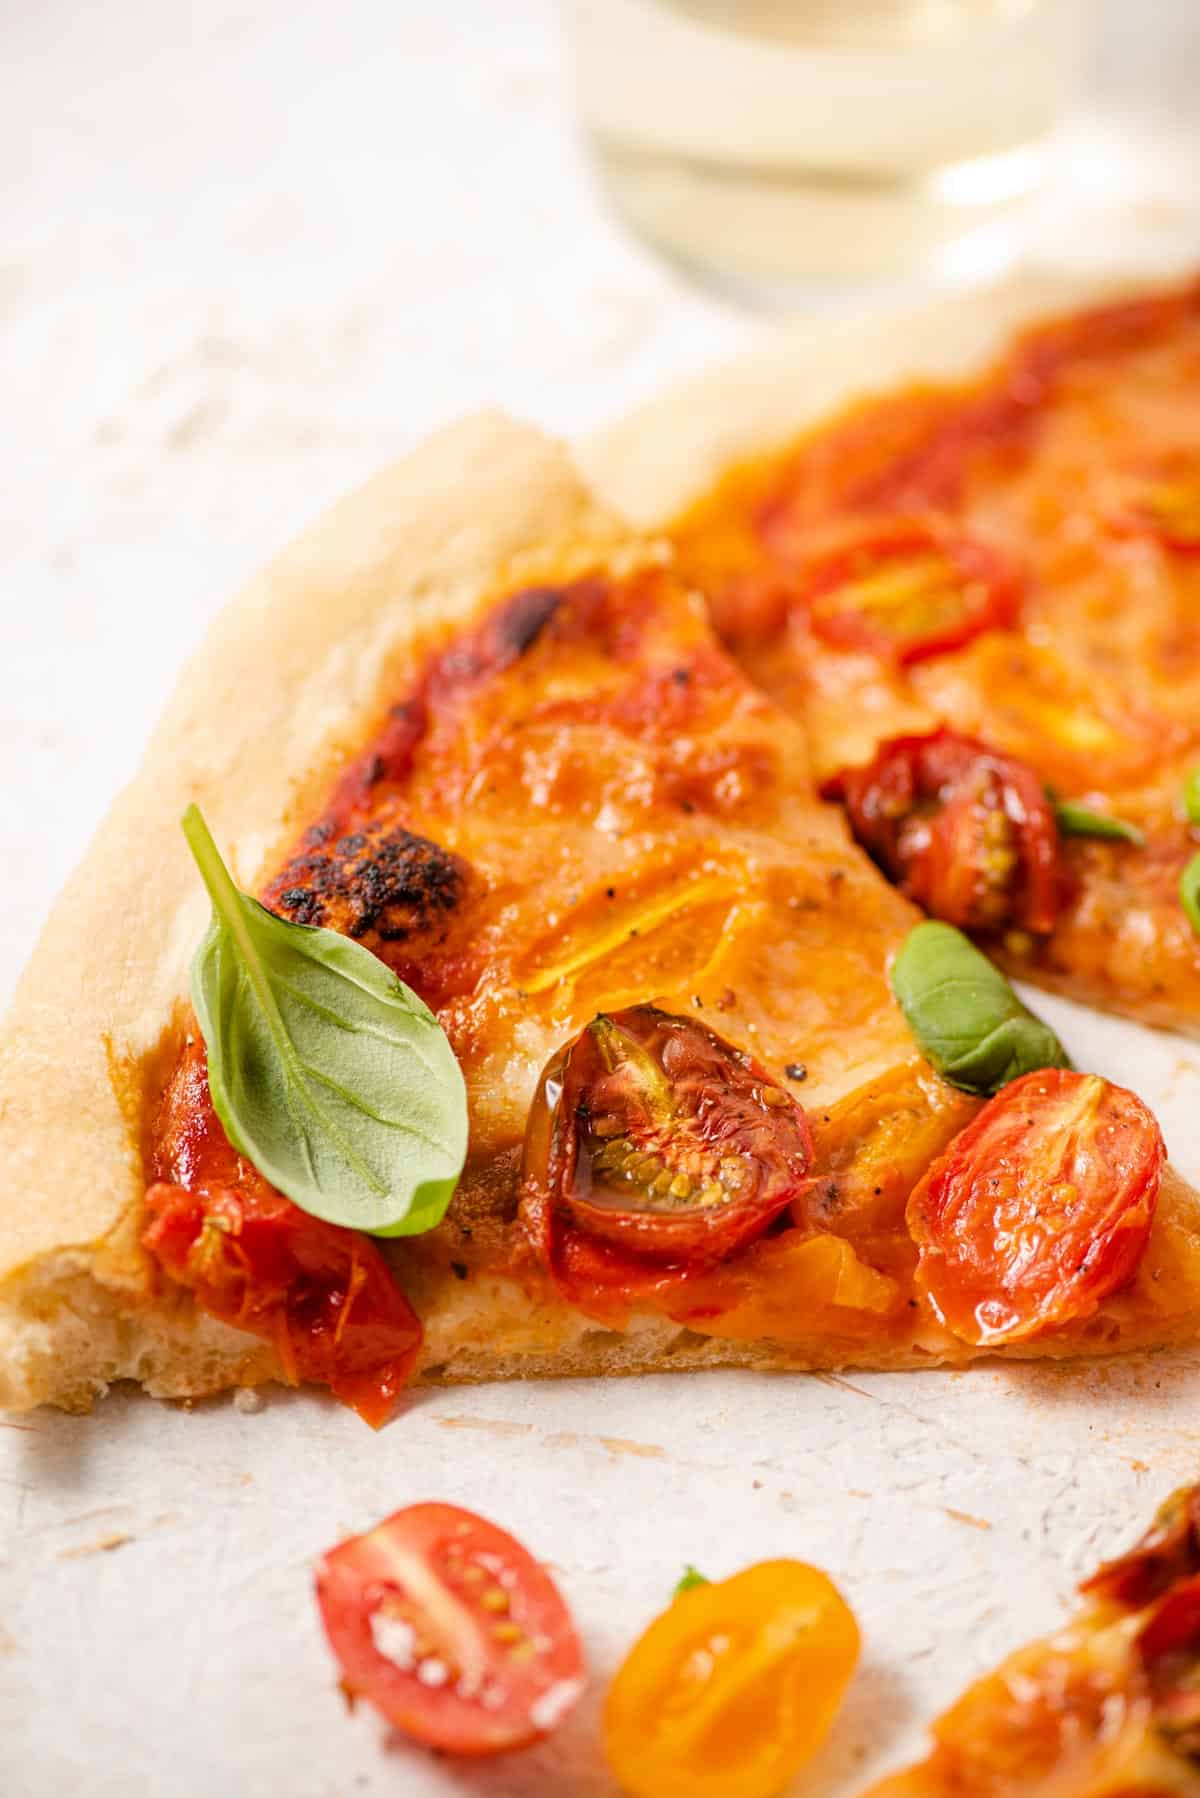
{"x":479,"y":754}
{"x":976,"y":581}
{"x":1108,"y":1707}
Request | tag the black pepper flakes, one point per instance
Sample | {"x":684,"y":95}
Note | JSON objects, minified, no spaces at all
{"x":796,"y":1070}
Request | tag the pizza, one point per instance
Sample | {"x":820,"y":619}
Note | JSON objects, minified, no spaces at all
{"x":978,"y":589}
{"x":1110,"y":1704}
{"x":548,"y":1022}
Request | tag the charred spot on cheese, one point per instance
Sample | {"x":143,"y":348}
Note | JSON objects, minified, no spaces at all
{"x":520,"y":623}
{"x":506,"y":634}
{"x":382,"y":880}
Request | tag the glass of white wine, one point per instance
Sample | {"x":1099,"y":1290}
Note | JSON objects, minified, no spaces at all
{"x":787,"y":145}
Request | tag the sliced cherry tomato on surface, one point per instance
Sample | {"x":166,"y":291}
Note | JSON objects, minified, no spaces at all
{"x":733,"y":1687}
{"x":451,"y":1630}
{"x":658,"y":1143}
{"x":323,"y":1295}
{"x":1169,"y":1551}
{"x":904,"y":591}
{"x":1040,"y":1208}
{"x":965,"y":832}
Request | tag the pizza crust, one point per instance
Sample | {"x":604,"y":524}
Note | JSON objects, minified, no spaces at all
{"x":660,"y":457}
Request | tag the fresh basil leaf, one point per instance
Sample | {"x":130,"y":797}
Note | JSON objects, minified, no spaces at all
{"x":1191,"y":797}
{"x":690,"y":1577}
{"x":1189,"y":892}
{"x":968,"y":1022}
{"x":1076,"y":820}
{"x":327,"y":1072}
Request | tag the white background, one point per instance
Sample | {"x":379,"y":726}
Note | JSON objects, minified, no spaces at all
{"x":250,"y":251}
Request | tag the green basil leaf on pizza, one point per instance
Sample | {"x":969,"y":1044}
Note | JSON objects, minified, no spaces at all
{"x":328,"y":1073}
{"x":967,"y":1020}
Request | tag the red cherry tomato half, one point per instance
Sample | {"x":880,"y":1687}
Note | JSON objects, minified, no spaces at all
{"x":652,"y":1135}
{"x":1039,"y":1209}
{"x":904,"y":591}
{"x":451,"y":1630}
{"x":967,"y":833}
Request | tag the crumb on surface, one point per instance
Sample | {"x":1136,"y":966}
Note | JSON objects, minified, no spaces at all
{"x":103,"y":1545}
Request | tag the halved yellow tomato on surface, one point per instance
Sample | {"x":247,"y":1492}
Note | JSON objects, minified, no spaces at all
{"x":734,"y":1687}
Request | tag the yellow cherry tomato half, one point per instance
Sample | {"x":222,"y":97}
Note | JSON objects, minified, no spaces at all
{"x":733,"y":1688}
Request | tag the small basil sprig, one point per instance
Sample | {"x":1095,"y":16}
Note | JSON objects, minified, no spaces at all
{"x":1075,"y":820}
{"x":327,"y":1072}
{"x":1189,"y":880}
{"x":1191,"y":797}
{"x":690,"y":1577}
{"x":1189,"y":892}
{"x":967,"y":1020}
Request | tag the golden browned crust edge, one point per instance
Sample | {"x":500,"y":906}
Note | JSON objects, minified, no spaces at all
{"x":666,"y":453}
{"x":293,"y":673}
{"x":65,"y":1338}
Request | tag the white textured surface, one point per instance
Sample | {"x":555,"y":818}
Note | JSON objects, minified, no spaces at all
{"x":251,"y":252}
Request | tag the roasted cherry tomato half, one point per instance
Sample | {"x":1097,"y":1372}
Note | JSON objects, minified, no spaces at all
{"x":733,"y":1688}
{"x":451,"y":1630}
{"x":323,"y":1296}
{"x":967,"y":833}
{"x":903,"y":591}
{"x":1040,"y":1208}
{"x":651,"y":1134}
